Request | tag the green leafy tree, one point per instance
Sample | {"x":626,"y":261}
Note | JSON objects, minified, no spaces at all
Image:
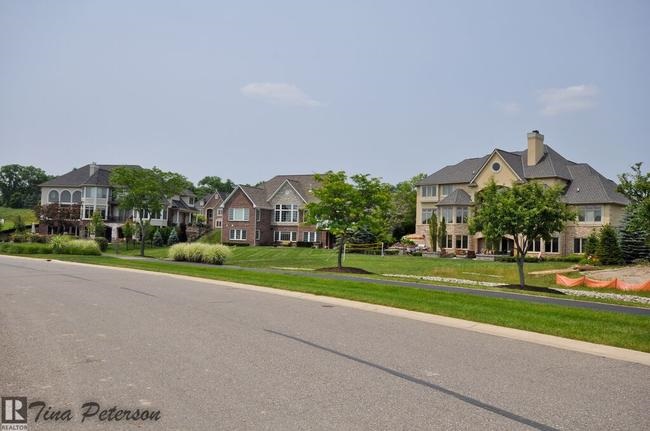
{"x":433,"y":231}
{"x":344,"y":207}
{"x":96,"y":225}
{"x":173,"y":238}
{"x":19,"y":186}
{"x":211,"y":184}
{"x":525,"y":211}
{"x":636,"y":187}
{"x":128,"y":230}
{"x":609,"y":250}
{"x":404,"y":207}
{"x":145,"y":191}
{"x":442,"y":234}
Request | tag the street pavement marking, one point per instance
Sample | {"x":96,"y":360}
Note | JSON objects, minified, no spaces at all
{"x":601,"y":350}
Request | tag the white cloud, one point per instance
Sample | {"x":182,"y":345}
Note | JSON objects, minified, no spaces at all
{"x":509,"y":108}
{"x":279,"y":93}
{"x":555,"y":101}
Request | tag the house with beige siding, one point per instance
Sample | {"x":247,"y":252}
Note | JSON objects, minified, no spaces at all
{"x":272,"y":213}
{"x":451,"y":193}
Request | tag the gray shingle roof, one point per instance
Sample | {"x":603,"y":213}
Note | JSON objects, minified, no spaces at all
{"x":457,"y":197}
{"x":81,"y":176}
{"x":586,"y":185}
{"x":459,"y":173}
{"x":590,"y":187}
{"x":257,"y":195}
{"x":304,"y":184}
{"x":180,"y":204}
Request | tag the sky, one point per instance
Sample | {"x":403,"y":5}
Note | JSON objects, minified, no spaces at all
{"x":247,"y":90}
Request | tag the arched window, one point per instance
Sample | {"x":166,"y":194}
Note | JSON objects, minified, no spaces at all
{"x":65,"y":197}
{"x":53,"y":196}
{"x":76,"y":197}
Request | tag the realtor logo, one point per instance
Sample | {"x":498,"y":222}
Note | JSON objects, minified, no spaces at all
{"x":14,"y":413}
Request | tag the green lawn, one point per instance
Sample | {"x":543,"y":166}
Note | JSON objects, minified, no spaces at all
{"x":212,"y":237}
{"x":613,"y":329}
{"x":10,"y":214}
{"x":308,"y":259}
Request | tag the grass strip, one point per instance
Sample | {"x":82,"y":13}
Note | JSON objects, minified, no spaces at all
{"x":614,"y":329}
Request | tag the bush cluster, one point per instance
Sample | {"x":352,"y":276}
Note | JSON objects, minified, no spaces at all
{"x":102,"y":243}
{"x":81,"y":246}
{"x":25,"y":248}
{"x":215,"y":254}
{"x":60,"y":244}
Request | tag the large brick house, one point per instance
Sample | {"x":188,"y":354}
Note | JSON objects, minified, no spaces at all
{"x":271,"y":213}
{"x":87,"y":190}
{"x":451,"y":193}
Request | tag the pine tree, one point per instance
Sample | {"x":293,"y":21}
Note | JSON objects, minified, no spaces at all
{"x":609,"y":250}
{"x":442,"y":234}
{"x":433,"y":231}
{"x":157,"y":238}
{"x":173,"y":238}
{"x":591,"y":245}
{"x":633,"y":245}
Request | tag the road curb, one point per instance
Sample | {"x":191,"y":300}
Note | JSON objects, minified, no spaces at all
{"x":609,"y":352}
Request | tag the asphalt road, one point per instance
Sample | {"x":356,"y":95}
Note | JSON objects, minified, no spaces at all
{"x":212,"y":357}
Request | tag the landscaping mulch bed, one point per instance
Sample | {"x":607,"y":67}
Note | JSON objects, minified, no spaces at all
{"x":344,"y":270}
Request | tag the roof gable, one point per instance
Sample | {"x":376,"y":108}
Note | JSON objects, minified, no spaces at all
{"x":509,"y":171}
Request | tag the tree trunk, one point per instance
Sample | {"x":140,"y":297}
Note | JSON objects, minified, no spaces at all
{"x":141,"y":239}
{"x":341,"y":248}
{"x":520,"y":267}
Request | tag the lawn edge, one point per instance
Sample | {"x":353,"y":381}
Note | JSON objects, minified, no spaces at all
{"x":602,"y":350}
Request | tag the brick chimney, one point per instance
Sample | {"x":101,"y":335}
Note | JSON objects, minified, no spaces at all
{"x":535,"y":147}
{"x":93,"y":168}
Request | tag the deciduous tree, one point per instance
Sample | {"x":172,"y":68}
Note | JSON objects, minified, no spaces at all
{"x":343,"y":206}
{"x":525,"y":211}
{"x":145,"y":191}
{"x":19,"y":186}
{"x":403,"y":212}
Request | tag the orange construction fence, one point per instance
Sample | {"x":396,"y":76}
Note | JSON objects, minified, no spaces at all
{"x":611,"y":284}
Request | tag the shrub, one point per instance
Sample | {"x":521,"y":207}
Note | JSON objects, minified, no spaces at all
{"x":236,"y":244}
{"x":215,"y":254}
{"x":173,"y":238}
{"x":177,"y":252}
{"x":591,"y":246}
{"x":157,"y":239}
{"x":25,"y":248}
{"x":81,"y":246}
{"x":609,"y":251}
{"x":58,"y":242}
{"x":102,"y":243}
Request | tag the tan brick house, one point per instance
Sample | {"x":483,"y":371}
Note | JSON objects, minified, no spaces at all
{"x":271,"y":213}
{"x":450,"y":192}
{"x":211,"y":209}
